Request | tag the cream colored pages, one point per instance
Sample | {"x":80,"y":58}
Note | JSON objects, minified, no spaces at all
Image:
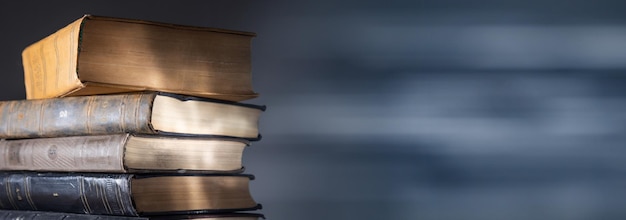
{"x":200,"y":117}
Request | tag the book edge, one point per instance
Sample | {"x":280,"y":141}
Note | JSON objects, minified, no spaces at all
{"x":198,"y":94}
{"x":169,"y":25}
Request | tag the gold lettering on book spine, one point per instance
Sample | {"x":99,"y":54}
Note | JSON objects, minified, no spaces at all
{"x":92,"y":153}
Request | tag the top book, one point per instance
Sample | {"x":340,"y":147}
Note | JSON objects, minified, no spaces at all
{"x":104,"y":55}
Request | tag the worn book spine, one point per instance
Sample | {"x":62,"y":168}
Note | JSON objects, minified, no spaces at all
{"x":73,"y":116}
{"x":100,"y":194}
{"x":102,"y":55}
{"x":50,"y":64}
{"x":38,"y":215}
{"x":103,"y":153}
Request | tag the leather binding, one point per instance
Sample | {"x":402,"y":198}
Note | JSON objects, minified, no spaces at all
{"x":37,"y":215}
{"x":89,"y":115}
{"x":106,"y":55}
{"x":104,"y":194}
{"x":97,"y":153}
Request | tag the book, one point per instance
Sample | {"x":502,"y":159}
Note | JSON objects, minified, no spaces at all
{"x":122,"y":153}
{"x":101,"y":55}
{"x":225,"y":216}
{"x":140,"y":113}
{"x":38,"y":215}
{"x":125,"y":194}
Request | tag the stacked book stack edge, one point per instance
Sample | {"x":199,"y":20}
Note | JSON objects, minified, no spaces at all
{"x":131,"y":119}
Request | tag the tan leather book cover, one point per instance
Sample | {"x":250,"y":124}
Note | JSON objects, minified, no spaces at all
{"x":103,"y":55}
{"x":122,"y":153}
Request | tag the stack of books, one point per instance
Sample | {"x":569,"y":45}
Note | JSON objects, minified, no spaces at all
{"x":131,"y":119}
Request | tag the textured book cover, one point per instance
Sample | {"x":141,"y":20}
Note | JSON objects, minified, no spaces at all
{"x":125,"y":194}
{"x":121,"y":153}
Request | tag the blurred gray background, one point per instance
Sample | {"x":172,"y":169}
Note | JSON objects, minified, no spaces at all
{"x":422,"y":109}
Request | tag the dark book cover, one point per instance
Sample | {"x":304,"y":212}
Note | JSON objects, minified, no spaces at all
{"x":102,"y":194}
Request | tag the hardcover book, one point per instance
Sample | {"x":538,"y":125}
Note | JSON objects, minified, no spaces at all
{"x":140,"y":113}
{"x":125,"y":194}
{"x":123,"y":153}
{"x":100,"y":55}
